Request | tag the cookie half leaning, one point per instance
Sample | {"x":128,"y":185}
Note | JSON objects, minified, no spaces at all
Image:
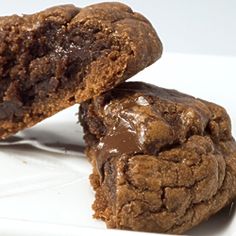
{"x":52,"y":59}
{"x":163,"y":161}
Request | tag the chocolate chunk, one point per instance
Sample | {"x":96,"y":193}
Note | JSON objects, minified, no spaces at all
{"x":52,"y":59}
{"x":162,"y":161}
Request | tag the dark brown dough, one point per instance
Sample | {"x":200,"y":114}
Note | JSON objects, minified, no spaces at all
{"x":52,"y":59}
{"x":163,"y":161}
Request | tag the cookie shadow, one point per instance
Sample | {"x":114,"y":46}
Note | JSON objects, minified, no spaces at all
{"x":215,"y":225}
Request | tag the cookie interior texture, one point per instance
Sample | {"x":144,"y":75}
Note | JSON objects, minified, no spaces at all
{"x":163,"y":161}
{"x":58,"y":57}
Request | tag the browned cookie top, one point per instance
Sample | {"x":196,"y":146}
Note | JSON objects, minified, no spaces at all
{"x":139,"y":118}
{"x":54,"y":58}
{"x":163,"y":161}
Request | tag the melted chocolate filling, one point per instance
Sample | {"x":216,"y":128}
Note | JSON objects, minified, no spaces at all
{"x":149,"y":121}
{"x":48,"y":59}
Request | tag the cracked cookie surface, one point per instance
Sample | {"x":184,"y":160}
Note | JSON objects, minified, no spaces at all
{"x":163,"y":161}
{"x":64,"y":55}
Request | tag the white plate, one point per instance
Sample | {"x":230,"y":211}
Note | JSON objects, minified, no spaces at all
{"x":44,"y":187}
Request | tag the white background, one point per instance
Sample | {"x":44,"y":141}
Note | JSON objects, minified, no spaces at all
{"x":186,"y":26}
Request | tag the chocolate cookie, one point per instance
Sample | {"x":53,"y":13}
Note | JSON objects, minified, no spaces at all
{"x":53,"y":59}
{"x":163,"y":161}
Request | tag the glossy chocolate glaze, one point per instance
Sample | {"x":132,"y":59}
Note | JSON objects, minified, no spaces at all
{"x":121,"y":138}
